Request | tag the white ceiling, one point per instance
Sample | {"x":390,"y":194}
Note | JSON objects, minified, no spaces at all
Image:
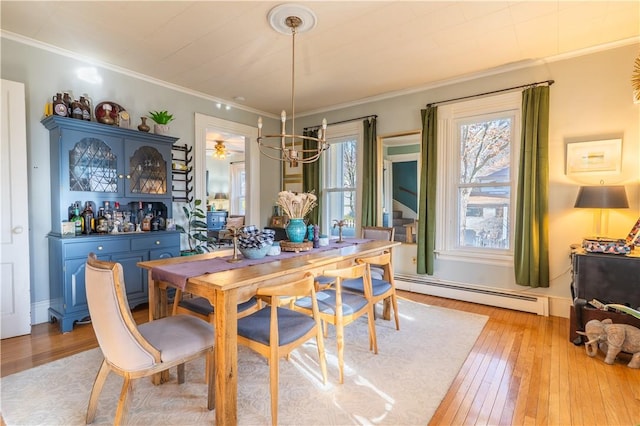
{"x":358,"y":49}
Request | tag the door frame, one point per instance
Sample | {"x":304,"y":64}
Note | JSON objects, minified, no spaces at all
{"x":251,"y":156}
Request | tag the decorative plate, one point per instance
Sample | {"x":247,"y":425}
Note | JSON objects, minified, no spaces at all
{"x":114,"y":113}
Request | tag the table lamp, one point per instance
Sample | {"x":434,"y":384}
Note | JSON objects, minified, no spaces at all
{"x":601,"y":198}
{"x":220,"y":198}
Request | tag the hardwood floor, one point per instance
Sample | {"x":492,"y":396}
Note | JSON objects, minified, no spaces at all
{"x":522,"y":370}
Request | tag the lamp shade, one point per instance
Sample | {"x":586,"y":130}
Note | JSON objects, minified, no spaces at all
{"x":602,"y":197}
{"x":220,"y":196}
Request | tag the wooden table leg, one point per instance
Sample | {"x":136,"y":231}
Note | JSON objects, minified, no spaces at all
{"x":226,"y":356}
{"x":156,"y":312}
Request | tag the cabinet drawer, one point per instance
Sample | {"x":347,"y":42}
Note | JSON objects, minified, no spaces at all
{"x":216,"y":220}
{"x":155,"y":241}
{"x":82,"y":249}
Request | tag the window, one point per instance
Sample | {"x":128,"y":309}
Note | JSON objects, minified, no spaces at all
{"x":480,"y":141}
{"x":341,"y":171}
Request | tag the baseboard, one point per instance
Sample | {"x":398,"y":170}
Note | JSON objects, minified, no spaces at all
{"x":40,"y":312}
{"x":520,"y":301}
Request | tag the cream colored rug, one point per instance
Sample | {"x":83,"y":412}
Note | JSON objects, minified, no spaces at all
{"x":402,"y":385}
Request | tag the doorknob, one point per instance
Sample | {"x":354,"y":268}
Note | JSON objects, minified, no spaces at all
{"x":17,"y":230}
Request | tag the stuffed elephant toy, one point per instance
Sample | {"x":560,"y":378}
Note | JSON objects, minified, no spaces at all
{"x":612,"y":339}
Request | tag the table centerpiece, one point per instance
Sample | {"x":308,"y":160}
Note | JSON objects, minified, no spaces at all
{"x":296,"y":206}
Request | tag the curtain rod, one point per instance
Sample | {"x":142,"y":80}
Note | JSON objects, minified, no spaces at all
{"x":341,"y":122}
{"x":549,"y":82}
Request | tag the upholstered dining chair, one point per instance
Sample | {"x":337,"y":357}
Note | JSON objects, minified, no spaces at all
{"x":382,"y":233}
{"x":202,"y":308}
{"x":133,"y":351}
{"x":381,"y":288}
{"x":275,"y":330}
{"x":341,"y":308}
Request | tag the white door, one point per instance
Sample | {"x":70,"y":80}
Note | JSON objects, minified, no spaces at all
{"x":14,"y":222}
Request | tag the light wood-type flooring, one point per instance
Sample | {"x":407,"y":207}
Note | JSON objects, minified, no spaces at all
{"x":523,"y":370}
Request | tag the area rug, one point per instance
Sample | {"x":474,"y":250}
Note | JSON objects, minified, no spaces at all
{"x":402,"y":385}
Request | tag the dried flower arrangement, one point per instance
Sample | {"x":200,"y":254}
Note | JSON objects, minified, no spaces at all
{"x":635,"y":80}
{"x":296,"y":205}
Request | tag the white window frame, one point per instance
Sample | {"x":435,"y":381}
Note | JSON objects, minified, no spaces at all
{"x":449,"y":116}
{"x":335,"y":134}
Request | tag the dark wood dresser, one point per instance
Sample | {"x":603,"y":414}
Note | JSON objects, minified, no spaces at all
{"x":609,"y":278}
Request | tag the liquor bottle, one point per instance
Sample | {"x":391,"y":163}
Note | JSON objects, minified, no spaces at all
{"x":162,"y":223}
{"x":76,"y":109}
{"x":77,"y":219}
{"x":108,"y":215}
{"x":102,"y":226}
{"x":67,"y":102}
{"x":86,"y":109}
{"x":140,"y":215}
{"x":59,"y":106}
{"x":155,"y":223}
{"x":117,"y":216}
{"x":87,"y":217}
{"x":146,"y":222}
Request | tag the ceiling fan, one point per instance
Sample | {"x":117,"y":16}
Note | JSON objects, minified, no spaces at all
{"x":220,"y":151}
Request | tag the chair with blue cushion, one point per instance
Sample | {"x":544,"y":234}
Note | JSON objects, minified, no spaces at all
{"x":341,"y":308}
{"x":275,"y":330}
{"x":382,"y":233}
{"x":202,"y":308}
{"x":382,"y":287}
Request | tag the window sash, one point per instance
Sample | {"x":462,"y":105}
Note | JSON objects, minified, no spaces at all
{"x":450,"y":238}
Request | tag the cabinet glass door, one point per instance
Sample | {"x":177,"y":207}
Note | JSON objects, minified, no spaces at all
{"x":147,"y":172}
{"x":90,"y":166}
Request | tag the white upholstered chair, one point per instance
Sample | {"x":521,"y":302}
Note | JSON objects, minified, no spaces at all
{"x":134,"y":351}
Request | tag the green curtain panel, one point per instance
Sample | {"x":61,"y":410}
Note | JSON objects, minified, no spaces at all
{"x":531,"y":251}
{"x":426,"y":233}
{"x":370,"y":173}
{"x":311,"y":177}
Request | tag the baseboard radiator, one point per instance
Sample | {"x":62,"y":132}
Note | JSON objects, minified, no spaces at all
{"x":473,"y":293}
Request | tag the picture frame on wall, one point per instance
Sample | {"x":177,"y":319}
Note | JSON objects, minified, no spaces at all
{"x":594,"y":157}
{"x":294,"y":185}
{"x":277,"y":222}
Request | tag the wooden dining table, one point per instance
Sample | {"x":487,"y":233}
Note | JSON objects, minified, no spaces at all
{"x":225,"y":287}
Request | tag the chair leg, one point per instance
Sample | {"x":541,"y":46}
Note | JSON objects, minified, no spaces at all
{"x":321,"y":354}
{"x":274,"y":370}
{"x":98,"y":384}
{"x":181,"y":373}
{"x":373,"y":343}
{"x":340,"y":340}
{"x":394,"y":301}
{"x":123,"y":402}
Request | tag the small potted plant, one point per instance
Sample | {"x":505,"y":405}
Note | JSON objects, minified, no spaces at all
{"x":162,"y":119}
{"x":196,"y":230}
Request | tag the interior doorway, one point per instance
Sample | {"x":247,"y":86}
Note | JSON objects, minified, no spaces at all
{"x":237,"y":138}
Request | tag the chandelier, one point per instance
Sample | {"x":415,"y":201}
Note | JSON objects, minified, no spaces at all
{"x":296,"y":19}
{"x":219,"y":150}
